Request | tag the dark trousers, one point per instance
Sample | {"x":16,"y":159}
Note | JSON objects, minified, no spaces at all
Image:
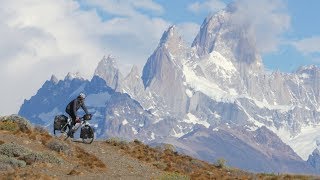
{"x":73,"y":118}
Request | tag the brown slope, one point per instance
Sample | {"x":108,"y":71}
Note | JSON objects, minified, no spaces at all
{"x":31,"y":153}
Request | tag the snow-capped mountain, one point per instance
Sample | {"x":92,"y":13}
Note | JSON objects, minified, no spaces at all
{"x":211,"y":100}
{"x":232,"y":72}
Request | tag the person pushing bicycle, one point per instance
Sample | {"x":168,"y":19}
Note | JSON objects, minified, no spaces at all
{"x":72,"y":109}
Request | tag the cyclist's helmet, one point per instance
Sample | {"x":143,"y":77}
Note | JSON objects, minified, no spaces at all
{"x":82,"y":96}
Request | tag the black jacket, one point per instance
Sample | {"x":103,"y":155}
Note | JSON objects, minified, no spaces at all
{"x":74,"y":105}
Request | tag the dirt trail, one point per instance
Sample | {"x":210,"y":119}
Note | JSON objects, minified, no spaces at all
{"x":119,"y":165}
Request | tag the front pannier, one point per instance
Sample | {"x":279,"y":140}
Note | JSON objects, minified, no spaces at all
{"x":86,"y":132}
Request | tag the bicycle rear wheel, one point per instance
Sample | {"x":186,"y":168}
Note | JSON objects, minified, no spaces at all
{"x":88,"y":137}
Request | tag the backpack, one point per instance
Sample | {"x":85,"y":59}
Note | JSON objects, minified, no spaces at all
{"x":60,"y":122}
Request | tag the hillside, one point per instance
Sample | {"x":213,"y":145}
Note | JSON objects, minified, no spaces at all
{"x":29,"y":152}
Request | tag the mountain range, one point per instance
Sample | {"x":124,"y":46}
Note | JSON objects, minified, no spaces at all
{"x":213,"y":99}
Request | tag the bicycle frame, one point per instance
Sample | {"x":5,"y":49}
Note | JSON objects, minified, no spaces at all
{"x":82,"y":124}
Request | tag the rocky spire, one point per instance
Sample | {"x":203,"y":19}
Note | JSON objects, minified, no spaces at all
{"x":71,"y":76}
{"x":219,"y":33}
{"x":54,"y":79}
{"x":170,"y":34}
{"x":163,"y":71}
{"x":108,"y":70}
{"x":171,"y":50}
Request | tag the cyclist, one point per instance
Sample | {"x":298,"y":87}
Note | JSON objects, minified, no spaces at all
{"x":72,"y":109}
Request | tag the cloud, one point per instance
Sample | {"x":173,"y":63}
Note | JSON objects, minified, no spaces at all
{"x":43,"y":37}
{"x":264,"y":20}
{"x":308,"y":45}
{"x":149,"y":5}
{"x":124,"y":7}
{"x":208,"y":6}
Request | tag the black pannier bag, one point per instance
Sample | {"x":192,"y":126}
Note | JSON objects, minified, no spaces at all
{"x":86,"y":132}
{"x":60,"y":122}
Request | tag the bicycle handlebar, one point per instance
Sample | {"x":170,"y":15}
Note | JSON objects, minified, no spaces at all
{"x":86,"y":117}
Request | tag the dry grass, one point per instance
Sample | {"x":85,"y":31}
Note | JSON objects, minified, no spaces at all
{"x":20,"y":126}
{"x":23,"y":124}
{"x":27,"y":175}
{"x":8,"y":126}
{"x":266,"y":176}
{"x":166,"y":159}
{"x":180,"y":166}
{"x":88,"y":160}
{"x":40,"y":130}
{"x":174,"y":176}
{"x":119,"y":142}
{"x":74,"y":172}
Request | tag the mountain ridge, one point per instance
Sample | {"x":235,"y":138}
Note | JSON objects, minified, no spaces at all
{"x":219,"y":81}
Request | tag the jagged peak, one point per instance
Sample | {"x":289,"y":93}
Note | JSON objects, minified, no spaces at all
{"x":209,"y":30}
{"x":171,"y":34}
{"x":219,"y":17}
{"x":220,"y":32}
{"x":54,"y":79}
{"x":277,"y":72}
{"x":307,"y":68}
{"x":107,"y":64}
{"x":172,"y":41}
{"x":71,"y":76}
{"x":109,"y":60}
{"x":169,"y":54}
{"x":108,"y":70}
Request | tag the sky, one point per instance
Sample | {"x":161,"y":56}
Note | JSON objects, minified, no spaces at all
{"x":39,"y":38}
